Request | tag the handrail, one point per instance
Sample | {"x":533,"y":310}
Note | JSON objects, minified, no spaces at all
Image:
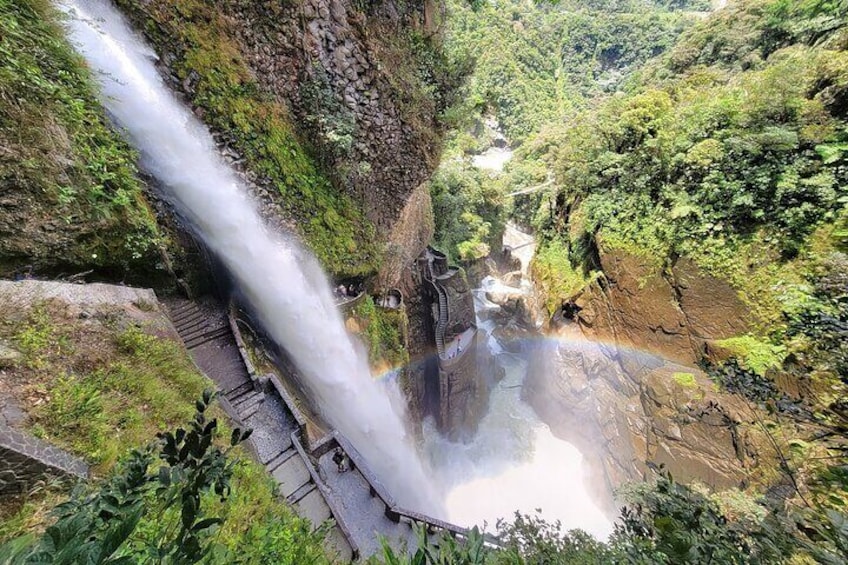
{"x":326,"y":495}
{"x":448,"y":362}
{"x":287,"y":400}
{"x":242,"y":348}
{"x":393,"y":511}
{"x":444,"y":318}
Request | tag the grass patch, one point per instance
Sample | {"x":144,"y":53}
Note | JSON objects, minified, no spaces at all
{"x":27,"y":512}
{"x":754,"y":354}
{"x":142,"y":391}
{"x":686,"y":380}
{"x":383,"y":332}
{"x":97,"y":387}
{"x":555,"y":276}
{"x":106,"y":384}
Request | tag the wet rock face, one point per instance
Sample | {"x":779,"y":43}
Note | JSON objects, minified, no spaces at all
{"x":629,"y":413}
{"x":460,"y":305}
{"x":454,"y":390}
{"x":672,"y":315}
{"x":623,"y":384}
{"x":330,"y":61}
{"x":463,"y":394}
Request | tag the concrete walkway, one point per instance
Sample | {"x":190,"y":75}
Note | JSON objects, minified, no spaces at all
{"x":307,"y":476}
{"x":205,"y":330}
{"x":460,"y":344}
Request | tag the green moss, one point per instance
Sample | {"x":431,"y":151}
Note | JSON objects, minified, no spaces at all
{"x":141,"y":390}
{"x":686,"y":380}
{"x":754,"y":354}
{"x":383,"y":331}
{"x":556,"y":277}
{"x":60,"y":156}
{"x":332,"y":223}
{"x":38,"y":337}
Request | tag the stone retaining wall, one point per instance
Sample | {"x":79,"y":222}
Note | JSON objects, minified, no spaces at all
{"x":26,"y":460}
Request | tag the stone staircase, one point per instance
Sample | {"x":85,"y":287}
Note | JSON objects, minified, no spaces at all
{"x":442,"y":322}
{"x":207,"y":335}
{"x":310,"y":482}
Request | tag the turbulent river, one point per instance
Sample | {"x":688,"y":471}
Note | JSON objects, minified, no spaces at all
{"x":514,"y":462}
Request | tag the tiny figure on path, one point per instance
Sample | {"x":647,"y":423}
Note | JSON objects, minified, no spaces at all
{"x":340,"y":459}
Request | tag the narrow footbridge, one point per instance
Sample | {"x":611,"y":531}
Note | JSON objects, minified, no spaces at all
{"x":308,"y":478}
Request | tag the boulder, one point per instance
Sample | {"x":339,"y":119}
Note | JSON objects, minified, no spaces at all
{"x":9,"y":356}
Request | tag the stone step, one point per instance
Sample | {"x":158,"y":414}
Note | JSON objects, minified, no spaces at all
{"x":291,"y":475}
{"x":233,"y":395}
{"x":182,"y":307}
{"x":205,"y":338}
{"x":275,"y":456}
{"x":314,"y":508}
{"x":248,"y":400}
{"x":193,"y":325}
{"x":200,"y":330}
{"x":249,"y":412}
{"x":187,"y":317}
{"x":301,"y":493}
{"x":279,"y":459}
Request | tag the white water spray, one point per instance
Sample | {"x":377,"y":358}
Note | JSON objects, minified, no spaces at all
{"x":514,"y":463}
{"x":281,"y":282}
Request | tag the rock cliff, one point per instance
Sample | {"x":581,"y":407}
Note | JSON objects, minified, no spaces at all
{"x":671,"y":313}
{"x":630,"y":412}
{"x":329,"y":106}
{"x":621,"y":378}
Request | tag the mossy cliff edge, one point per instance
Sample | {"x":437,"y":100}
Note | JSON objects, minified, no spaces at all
{"x":333,"y":110}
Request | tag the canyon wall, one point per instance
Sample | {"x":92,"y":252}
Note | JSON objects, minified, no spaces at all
{"x":360,"y":86}
{"x":621,"y":378}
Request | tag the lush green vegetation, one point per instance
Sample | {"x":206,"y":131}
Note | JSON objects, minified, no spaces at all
{"x":384,"y":332}
{"x":663,"y":522}
{"x":97,"y":390}
{"x":536,"y":66}
{"x":59,"y":161}
{"x":467,"y":208}
{"x":101,"y":388}
{"x":728,"y":149}
{"x":177,"y":500}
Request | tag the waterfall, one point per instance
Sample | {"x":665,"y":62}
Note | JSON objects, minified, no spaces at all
{"x":281,"y":282}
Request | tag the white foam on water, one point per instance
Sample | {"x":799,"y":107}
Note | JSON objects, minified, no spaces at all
{"x":514,"y":463}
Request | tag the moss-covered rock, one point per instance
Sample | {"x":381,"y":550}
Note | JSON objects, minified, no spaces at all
{"x":70,"y":196}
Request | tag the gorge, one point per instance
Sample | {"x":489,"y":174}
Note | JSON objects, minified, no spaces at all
{"x":573,"y":273}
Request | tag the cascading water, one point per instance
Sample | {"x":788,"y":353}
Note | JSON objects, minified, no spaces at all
{"x":514,"y":462}
{"x":280,"y":281}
